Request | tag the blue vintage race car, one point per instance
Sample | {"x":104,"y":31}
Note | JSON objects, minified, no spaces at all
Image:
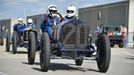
{"x":71,"y":41}
{"x":20,"y":38}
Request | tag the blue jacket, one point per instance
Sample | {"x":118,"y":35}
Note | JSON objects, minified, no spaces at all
{"x":19,"y":27}
{"x":47,"y":22}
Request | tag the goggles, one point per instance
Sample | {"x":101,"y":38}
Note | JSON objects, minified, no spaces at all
{"x":20,"y":21}
{"x":53,"y":11}
{"x":29,"y":23}
{"x":70,"y":11}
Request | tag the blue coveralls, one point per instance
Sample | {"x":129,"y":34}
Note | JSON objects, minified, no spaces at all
{"x":47,"y":26}
{"x":19,"y":28}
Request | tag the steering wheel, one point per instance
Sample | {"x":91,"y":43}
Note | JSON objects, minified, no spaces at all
{"x":60,"y":17}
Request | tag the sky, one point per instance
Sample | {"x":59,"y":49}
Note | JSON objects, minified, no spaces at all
{"x":21,"y":8}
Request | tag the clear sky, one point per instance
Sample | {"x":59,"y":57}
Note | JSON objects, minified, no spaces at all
{"x":21,"y":8}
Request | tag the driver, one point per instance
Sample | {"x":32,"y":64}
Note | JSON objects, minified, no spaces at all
{"x":50,"y":21}
{"x":19,"y":27}
{"x":30,"y":23}
{"x":71,"y":10}
{"x":70,"y":14}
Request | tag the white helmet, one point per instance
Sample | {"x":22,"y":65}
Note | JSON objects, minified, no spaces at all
{"x":20,"y":19}
{"x":30,"y":21}
{"x":52,"y":9}
{"x":71,"y":10}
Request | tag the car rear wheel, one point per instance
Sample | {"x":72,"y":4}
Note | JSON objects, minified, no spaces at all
{"x":121,"y":44}
{"x":78,"y":62}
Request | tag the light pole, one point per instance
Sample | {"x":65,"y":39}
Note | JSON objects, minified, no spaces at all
{"x":24,"y":13}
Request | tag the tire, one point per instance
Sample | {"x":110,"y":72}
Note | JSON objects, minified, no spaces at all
{"x":78,"y":62}
{"x":103,"y":53}
{"x":45,"y":52}
{"x":2,"y":42}
{"x":121,"y":44}
{"x":32,"y":48}
{"x":14,"y":43}
{"x":8,"y":42}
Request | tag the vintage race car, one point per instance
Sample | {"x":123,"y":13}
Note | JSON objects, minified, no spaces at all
{"x":71,"y":42}
{"x":114,"y":34}
{"x":21,"y":40}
